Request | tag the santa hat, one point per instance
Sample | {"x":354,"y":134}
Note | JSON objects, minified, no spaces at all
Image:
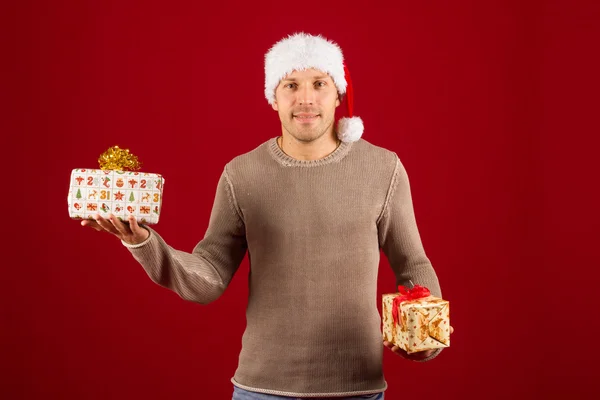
{"x":302,"y":51}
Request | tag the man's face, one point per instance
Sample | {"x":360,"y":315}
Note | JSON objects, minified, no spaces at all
{"x":306,"y":103}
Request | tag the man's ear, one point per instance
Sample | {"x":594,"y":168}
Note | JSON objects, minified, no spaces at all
{"x":338,"y":100}
{"x":274,"y":105}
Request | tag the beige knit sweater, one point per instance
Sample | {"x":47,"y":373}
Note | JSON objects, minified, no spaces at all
{"x":313,"y":231}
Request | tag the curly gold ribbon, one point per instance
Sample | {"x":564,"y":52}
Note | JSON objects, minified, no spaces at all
{"x":118,"y":159}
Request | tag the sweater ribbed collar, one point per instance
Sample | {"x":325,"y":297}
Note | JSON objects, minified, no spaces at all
{"x":287,"y":161}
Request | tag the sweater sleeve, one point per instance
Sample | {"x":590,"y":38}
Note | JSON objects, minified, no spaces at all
{"x":400,"y":241}
{"x":202,"y":275}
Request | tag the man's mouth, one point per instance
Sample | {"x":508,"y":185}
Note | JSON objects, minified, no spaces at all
{"x":306,"y":117}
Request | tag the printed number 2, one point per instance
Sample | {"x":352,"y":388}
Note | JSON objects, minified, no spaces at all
{"x":143,"y":184}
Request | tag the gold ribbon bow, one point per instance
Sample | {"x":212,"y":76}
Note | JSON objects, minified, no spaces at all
{"x":118,"y":159}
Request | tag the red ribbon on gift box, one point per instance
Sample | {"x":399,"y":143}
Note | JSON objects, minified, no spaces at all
{"x":417,"y":292}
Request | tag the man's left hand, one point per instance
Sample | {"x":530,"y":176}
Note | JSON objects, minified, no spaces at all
{"x":420,"y":355}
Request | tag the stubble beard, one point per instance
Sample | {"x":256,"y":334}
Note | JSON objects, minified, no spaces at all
{"x":309,"y":133}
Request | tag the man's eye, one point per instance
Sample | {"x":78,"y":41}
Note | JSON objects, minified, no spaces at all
{"x":321,"y":83}
{"x":289,"y":85}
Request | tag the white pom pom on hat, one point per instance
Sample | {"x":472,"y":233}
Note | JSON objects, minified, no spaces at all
{"x":301,"y":51}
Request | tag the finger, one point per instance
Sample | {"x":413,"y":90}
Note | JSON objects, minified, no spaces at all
{"x":416,"y":355}
{"x":451,"y":329}
{"x":419,"y":355}
{"x":122,"y":228}
{"x":107,"y":225}
{"x":92,"y":224}
{"x":388,"y":344}
{"x":140,"y":233}
{"x":135,"y":227}
{"x":393,"y":347}
{"x":399,"y":351}
{"x":428,"y":353}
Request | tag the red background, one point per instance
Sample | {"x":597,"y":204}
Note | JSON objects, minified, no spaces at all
{"x":491,"y":106}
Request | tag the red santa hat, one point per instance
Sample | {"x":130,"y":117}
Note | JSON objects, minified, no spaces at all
{"x":301,"y":51}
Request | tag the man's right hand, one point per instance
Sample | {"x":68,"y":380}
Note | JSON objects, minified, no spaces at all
{"x":129,"y":232}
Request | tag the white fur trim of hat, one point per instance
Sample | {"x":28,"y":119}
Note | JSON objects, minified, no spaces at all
{"x":301,"y":51}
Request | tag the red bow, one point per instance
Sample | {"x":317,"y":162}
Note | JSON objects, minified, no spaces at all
{"x":416,"y":292}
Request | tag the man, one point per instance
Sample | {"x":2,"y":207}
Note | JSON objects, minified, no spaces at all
{"x":313,"y":208}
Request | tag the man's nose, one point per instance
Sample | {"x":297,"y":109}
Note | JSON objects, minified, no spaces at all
{"x":306,"y":95}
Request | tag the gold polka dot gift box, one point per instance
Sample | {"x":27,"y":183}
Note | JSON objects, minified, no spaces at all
{"x":414,"y":320}
{"x":116,"y":188}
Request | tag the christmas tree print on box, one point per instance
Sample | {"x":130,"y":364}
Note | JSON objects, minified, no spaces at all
{"x":121,"y":193}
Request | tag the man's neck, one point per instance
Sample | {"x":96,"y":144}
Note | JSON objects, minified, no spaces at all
{"x":307,"y":151}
